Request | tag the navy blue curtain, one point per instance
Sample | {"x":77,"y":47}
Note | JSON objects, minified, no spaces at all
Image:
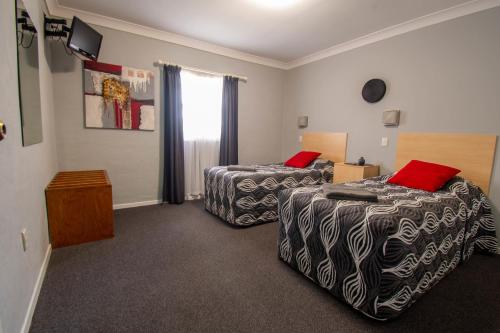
{"x":229,"y":135}
{"x":173,"y":173}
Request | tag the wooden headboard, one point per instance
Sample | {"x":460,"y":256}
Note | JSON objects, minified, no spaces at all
{"x":472,"y":153}
{"x":332,"y":146}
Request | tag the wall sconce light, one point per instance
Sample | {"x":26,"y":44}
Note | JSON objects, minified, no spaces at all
{"x":391,"y":118}
{"x":303,"y":121}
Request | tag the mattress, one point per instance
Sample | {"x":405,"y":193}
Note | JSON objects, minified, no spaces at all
{"x":381,"y":257}
{"x":247,"y":198}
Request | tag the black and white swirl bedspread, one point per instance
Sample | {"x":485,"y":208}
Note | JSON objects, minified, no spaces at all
{"x":247,"y":198}
{"x":381,"y":257}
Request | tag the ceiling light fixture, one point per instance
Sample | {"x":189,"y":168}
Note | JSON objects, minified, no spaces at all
{"x":276,"y":4}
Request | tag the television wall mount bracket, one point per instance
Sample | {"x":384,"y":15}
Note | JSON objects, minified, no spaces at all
{"x":56,"y":27}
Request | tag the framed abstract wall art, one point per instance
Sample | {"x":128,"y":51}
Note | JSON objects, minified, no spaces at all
{"x":118,"y":97}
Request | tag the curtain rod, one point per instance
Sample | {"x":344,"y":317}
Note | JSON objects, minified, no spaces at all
{"x":160,"y":63}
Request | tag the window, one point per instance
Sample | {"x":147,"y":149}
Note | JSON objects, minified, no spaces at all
{"x":201,"y":106}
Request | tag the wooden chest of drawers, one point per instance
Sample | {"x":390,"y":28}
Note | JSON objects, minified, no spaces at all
{"x":344,"y":172}
{"x":79,"y":207}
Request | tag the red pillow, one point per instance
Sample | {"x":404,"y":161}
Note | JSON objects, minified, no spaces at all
{"x":302,"y":159}
{"x":423,"y":175}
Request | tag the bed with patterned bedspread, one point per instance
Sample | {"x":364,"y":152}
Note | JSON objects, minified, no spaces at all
{"x":381,"y":257}
{"x":246,"y":198}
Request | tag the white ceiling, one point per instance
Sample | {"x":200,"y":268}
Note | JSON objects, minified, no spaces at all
{"x":284,"y":34}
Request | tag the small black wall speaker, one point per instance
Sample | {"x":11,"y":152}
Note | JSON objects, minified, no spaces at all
{"x":373,"y":90}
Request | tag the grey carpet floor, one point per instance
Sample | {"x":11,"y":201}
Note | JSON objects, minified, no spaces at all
{"x":179,"y":269}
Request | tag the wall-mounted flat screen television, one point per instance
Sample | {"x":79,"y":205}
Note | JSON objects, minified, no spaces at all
{"x":84,"y":40}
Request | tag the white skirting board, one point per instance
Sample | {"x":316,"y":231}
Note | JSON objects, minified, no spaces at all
{"x":36,"y":291}
{"x":136,"y":204}
{"x":143,"y":203}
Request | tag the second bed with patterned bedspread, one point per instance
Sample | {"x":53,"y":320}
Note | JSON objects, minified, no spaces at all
{"x":246,"y":198}
{"x":381,"y":257}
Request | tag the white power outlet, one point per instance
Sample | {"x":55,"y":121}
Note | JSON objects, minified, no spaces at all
{"x":300,"y":138}
{"x":24,"y":239}
{"x":384,"y":142}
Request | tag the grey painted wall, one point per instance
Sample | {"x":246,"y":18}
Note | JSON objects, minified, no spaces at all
{"x":444,"y":78}
{"x":25,"y":172}
{"x":131,"y":157}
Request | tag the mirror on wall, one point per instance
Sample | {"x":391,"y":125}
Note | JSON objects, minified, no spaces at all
{"x":29,"y":79}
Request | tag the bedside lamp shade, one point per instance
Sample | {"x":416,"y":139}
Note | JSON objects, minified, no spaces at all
{"x":303,"y":121}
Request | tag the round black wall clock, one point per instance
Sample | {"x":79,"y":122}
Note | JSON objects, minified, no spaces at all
{"x":373,"y":90}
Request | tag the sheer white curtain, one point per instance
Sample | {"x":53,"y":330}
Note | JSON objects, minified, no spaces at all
{"x":201,"y":112}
